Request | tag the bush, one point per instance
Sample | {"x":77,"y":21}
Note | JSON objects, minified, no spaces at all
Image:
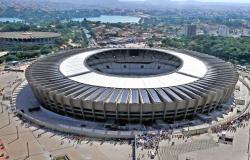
{"x":45,"y":51}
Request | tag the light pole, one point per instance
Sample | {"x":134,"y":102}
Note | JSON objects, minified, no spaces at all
{"x":248,"y":145}
{"x":9,"y":117}
{"x":28,"y":150}
{"x":134,"y":148}
{"x":17,"y":133}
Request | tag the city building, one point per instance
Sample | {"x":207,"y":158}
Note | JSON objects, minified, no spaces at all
{"x":190,"y":30}
{"x":246,"y":32}
{"x":131,"y":85}
{"x":223,"y":31}
{"x":27,"y":38}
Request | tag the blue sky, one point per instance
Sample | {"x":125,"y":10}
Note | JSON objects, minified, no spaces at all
{"x":229,"y":1}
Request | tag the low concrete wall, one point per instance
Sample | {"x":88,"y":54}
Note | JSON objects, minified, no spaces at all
{"x":82,"y":131}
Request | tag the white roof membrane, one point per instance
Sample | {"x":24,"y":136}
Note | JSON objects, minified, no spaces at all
{"x":75,"y":69}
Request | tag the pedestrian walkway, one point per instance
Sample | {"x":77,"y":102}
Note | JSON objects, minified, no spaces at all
{"x":171,"y":152}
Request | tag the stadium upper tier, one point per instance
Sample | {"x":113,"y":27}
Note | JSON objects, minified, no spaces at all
{"x":131,"y":85}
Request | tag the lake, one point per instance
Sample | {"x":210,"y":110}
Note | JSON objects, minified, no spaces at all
{"x":111,"y":19}
{"x":10,"y":20}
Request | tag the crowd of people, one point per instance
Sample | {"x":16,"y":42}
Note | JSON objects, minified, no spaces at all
{"x":151,"y":141}
{"x":147,"y":141}
{"x":233,"y":125}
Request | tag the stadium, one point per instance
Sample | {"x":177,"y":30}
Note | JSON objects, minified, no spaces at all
{"x":126,"y":85}
{"x":28,"y":38}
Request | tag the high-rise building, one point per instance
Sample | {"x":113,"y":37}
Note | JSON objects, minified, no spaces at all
{"x":223,"y":31}
{"x":190,"y":30}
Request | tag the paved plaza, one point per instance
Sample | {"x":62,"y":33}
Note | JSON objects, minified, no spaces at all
{"x":43,"y":143}
{"x":25,"y":141}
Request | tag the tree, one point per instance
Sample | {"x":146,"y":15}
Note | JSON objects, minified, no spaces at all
{"x":236,"y":50}
{"x":11,"y":58}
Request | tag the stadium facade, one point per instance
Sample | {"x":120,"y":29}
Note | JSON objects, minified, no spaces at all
{"x":131,"y":85}
{"x":28,"y":38}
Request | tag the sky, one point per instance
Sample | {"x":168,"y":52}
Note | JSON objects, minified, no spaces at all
{"x":226,"y":1}
{"x":241,"y":1}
